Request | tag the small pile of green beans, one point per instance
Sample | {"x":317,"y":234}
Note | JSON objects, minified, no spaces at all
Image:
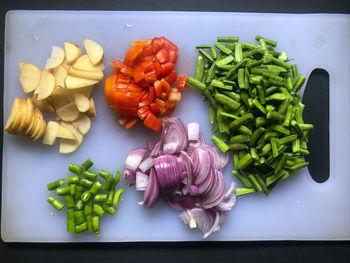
{"x":255,"y":108}
{"x":83,"y":199}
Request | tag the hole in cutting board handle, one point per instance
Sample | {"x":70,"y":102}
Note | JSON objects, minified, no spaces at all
{"x":316,"y":111}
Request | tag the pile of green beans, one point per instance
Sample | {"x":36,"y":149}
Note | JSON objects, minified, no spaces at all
{"x":255,"y":109}
{"x":86,"y":198}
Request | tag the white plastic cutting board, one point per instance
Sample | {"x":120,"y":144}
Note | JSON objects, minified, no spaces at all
{"x":297,"y":209}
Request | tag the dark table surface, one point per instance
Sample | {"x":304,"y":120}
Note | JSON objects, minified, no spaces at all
{"x":278,"y":251}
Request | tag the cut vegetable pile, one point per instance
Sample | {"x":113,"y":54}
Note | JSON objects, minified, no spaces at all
{"x":84,"y":201}
{"x":255,"y":109}
{"x":186,"y":173}
{"x":64,"y":87}
{"x":141,"y":88}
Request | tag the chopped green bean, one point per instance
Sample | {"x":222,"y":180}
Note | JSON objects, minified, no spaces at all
{"x":96,"y":225}
{"x":90,"y":175}
{"x":87,"y":164}
{"x":220,"y":144}
{"x":228,"y":39}
{"x":55,"y":184}
{"x":200,"y":68}
{"x":74,"y":168}
{"x":74,"y":179}
{"x":69,"y":200}
{"x":55,"y":203}
{"x":117,"y":195}
{"x":98,"y":210}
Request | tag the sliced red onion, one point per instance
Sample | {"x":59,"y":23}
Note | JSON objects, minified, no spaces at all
{"x":194,"y":190}
{"x":134,"y":158}
{"x":129,"y":175}
{"x":193,"y":131}
{"x":141,"y":181}
{"x":146,"y":164}
{"x":175,"y":136}
{"x":215,"y":225}
{"x":229,"y":201}
{"x":167,"y":171}
{"x":186,"y":173}
{"x":152,"y":192}
{"x":223,"y":157}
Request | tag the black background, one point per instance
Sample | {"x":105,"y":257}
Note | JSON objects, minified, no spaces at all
{"x":281,"y":251}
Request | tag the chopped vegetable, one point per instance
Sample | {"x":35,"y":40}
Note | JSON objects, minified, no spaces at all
{"x":141,"y":86}
{"x":252,"y":93}
{"x":83,"y":198}
{"x":186,"y":174}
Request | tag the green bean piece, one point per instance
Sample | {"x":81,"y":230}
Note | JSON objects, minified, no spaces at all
{"x":212,"y":101}
{"x":235,"y":67}
{"x":288,"y":139}
{"x":79,"y":205}
{"x":220,"y":144}
{"x":89,"y":222}
{"x":108,"y":183}
{"x":262,"y":43}
{"x":273,"y":178}
{"x":100,"y":198}
{"x":212,"y":114}
{"x":196,"y":83}
{"x":79,"y":217}
{"x":203,"y":46}
{"x":294,"y":70}
{"x":104,"y":174}
{"x":96,"y":225}
{"x":228,"y":39}
{"x":223,"y":49}
{"x":63,"y":191}
{"x":281,"y":63}
{"x":274,"y":116}
{"x":87,"y":164}
{"x":252,"y":52}
{"x":255,"y":182}
{"x":242,"y":120}
{"x":273,"y":142}
{"x":280,"y":128}
{"x":81,"y":228}
{"x":237,"y":146}
{"x":95,"y":188}
{"x":229,"y":115}
{"x":299,"y":166}
{"x":227,"y":101}
{"x":98,"y":210}
{"x":117,"y":177}
{"x":200,"y":68}
{"x":110,"y":196}
{"x":243,"y":191}
{"x":240,"y":138}
{"x":86,"y":196}
{"x":211,"y":73}
{"x":55,"y":203}
{"x":255,"y":136}
{"x":245,"y":161}
{"x":55,"y":184}
{"x":258,"y":105}
{"x":296,"y":146}
{"x":305,"y":127}
{"x":206,"y":55}
{"x":245,"y":130}
{"x":90,"y":175}
{"x":69,"y":200}
{"x":242,"y":178}
{"x":213,"y":53}
{"x":238,"y":53}
{"x":117,"y":196}
{"x":75,"y":168}
{"x":261,"y":122}
{"x":261,"y":183}
{"x":266,"y":149}
{"x":281,"y":163}
{"x":241,"y":79}
{"x":74,"y":179}
{"x":78,"y":192}
{"x":73,"y":188}
{"x":86,"y":183}
{"x":88,"y":208}
{"x":299,"y":83}
{"x":70,"y":220}
{"x":224,"y":61}
{"x":110,"y":209}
